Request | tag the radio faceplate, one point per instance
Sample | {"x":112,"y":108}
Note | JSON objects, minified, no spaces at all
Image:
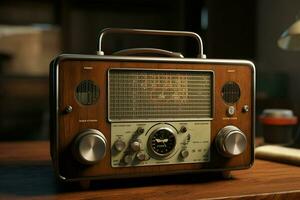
{"x":152,"y":143}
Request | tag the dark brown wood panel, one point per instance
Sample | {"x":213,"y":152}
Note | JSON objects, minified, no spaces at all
{"x":71,"y":72}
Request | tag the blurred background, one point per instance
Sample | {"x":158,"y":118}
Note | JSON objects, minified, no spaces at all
{"x":33,"y":32}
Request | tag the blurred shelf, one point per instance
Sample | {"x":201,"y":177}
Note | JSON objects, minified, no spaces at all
{"x":23,"y":106}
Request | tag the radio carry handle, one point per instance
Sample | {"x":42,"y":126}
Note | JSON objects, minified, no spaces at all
{"x":151,"y":50}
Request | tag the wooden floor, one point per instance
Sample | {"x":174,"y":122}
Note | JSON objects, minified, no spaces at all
{"x":26,"y":173}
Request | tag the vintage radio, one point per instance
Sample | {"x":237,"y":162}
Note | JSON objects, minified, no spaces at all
{"x":130,"y":116}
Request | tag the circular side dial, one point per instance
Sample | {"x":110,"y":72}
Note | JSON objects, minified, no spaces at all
{"x":162,"y":141}
{"x":89,"y":147}
{"x":231,"y":141}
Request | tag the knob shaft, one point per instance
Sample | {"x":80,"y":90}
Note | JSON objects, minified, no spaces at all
{"x":231,"y":141}
{"x":89,"y":146}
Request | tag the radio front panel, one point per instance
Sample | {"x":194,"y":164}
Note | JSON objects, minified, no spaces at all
{"x":145,"y":144}
{"x":126,"y":116}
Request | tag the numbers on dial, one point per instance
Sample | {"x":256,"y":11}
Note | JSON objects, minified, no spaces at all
{"x":162,"y":142}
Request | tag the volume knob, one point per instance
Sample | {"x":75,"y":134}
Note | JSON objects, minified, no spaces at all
{"x":89,"y":146}
{"x":231,"y":141}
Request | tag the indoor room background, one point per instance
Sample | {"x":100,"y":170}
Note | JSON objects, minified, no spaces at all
{"x":32,"y":33}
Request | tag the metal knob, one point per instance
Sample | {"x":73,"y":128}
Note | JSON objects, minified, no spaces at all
{"x":184,"y":153}
{"x":119,"y":145}
{"x":141,"y":156}
{"x":135,"y":146}
{"x":231,"y":141}
{"x":89,"y":147}
{"x":127,"y":159}
{"x":140,"y":130}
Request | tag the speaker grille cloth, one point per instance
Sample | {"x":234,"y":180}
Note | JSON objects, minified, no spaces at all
{"x":159,"y":95}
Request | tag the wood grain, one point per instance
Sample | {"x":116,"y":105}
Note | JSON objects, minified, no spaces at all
{"x":72,"y":72}
{"x":30,"y":176}
{"x":24,"y":152}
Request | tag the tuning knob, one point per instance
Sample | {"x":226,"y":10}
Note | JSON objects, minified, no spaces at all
{"x":135,"y":146}
{"x":231,"y":141}
{"x":89,"y":147}
{"x":119,"y":145}
{"x":141,"y":156}
{"x":184,"y":154}
{"x":127,"y":159}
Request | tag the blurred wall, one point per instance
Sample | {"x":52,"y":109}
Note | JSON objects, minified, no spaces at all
{"x":236,"y":30}
{"x":277,"y":68}
{"x":24,"y":94}
{"x":231,"y":29}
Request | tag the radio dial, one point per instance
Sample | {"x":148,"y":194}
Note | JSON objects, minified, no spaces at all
{"x":162,"y":141}
{"x":89,"y":146}
{"x":231,"y":141}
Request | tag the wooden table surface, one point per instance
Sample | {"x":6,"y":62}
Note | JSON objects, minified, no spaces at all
{"x":26,"y":173}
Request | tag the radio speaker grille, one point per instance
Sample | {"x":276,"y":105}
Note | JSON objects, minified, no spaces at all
{"x":87,"y":92}
{"x":159,"y":95}
{"x":231,"y":92}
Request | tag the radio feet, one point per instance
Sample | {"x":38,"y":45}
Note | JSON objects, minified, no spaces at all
{"x":226,"y":175}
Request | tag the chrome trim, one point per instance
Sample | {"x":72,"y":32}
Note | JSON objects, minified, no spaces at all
{"x":127,"y":52}
{"x":62,"y":178}
{"x":54,"y":106}
{"x":152,"y":32}
{"x":152,"y":59}
{"x":253,"y":110}
{"x":213,"y":92}
{"x":162,"y":120}
{"x":165,"y":119}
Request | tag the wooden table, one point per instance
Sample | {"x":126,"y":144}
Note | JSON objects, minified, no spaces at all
{"x":26,"y":173}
